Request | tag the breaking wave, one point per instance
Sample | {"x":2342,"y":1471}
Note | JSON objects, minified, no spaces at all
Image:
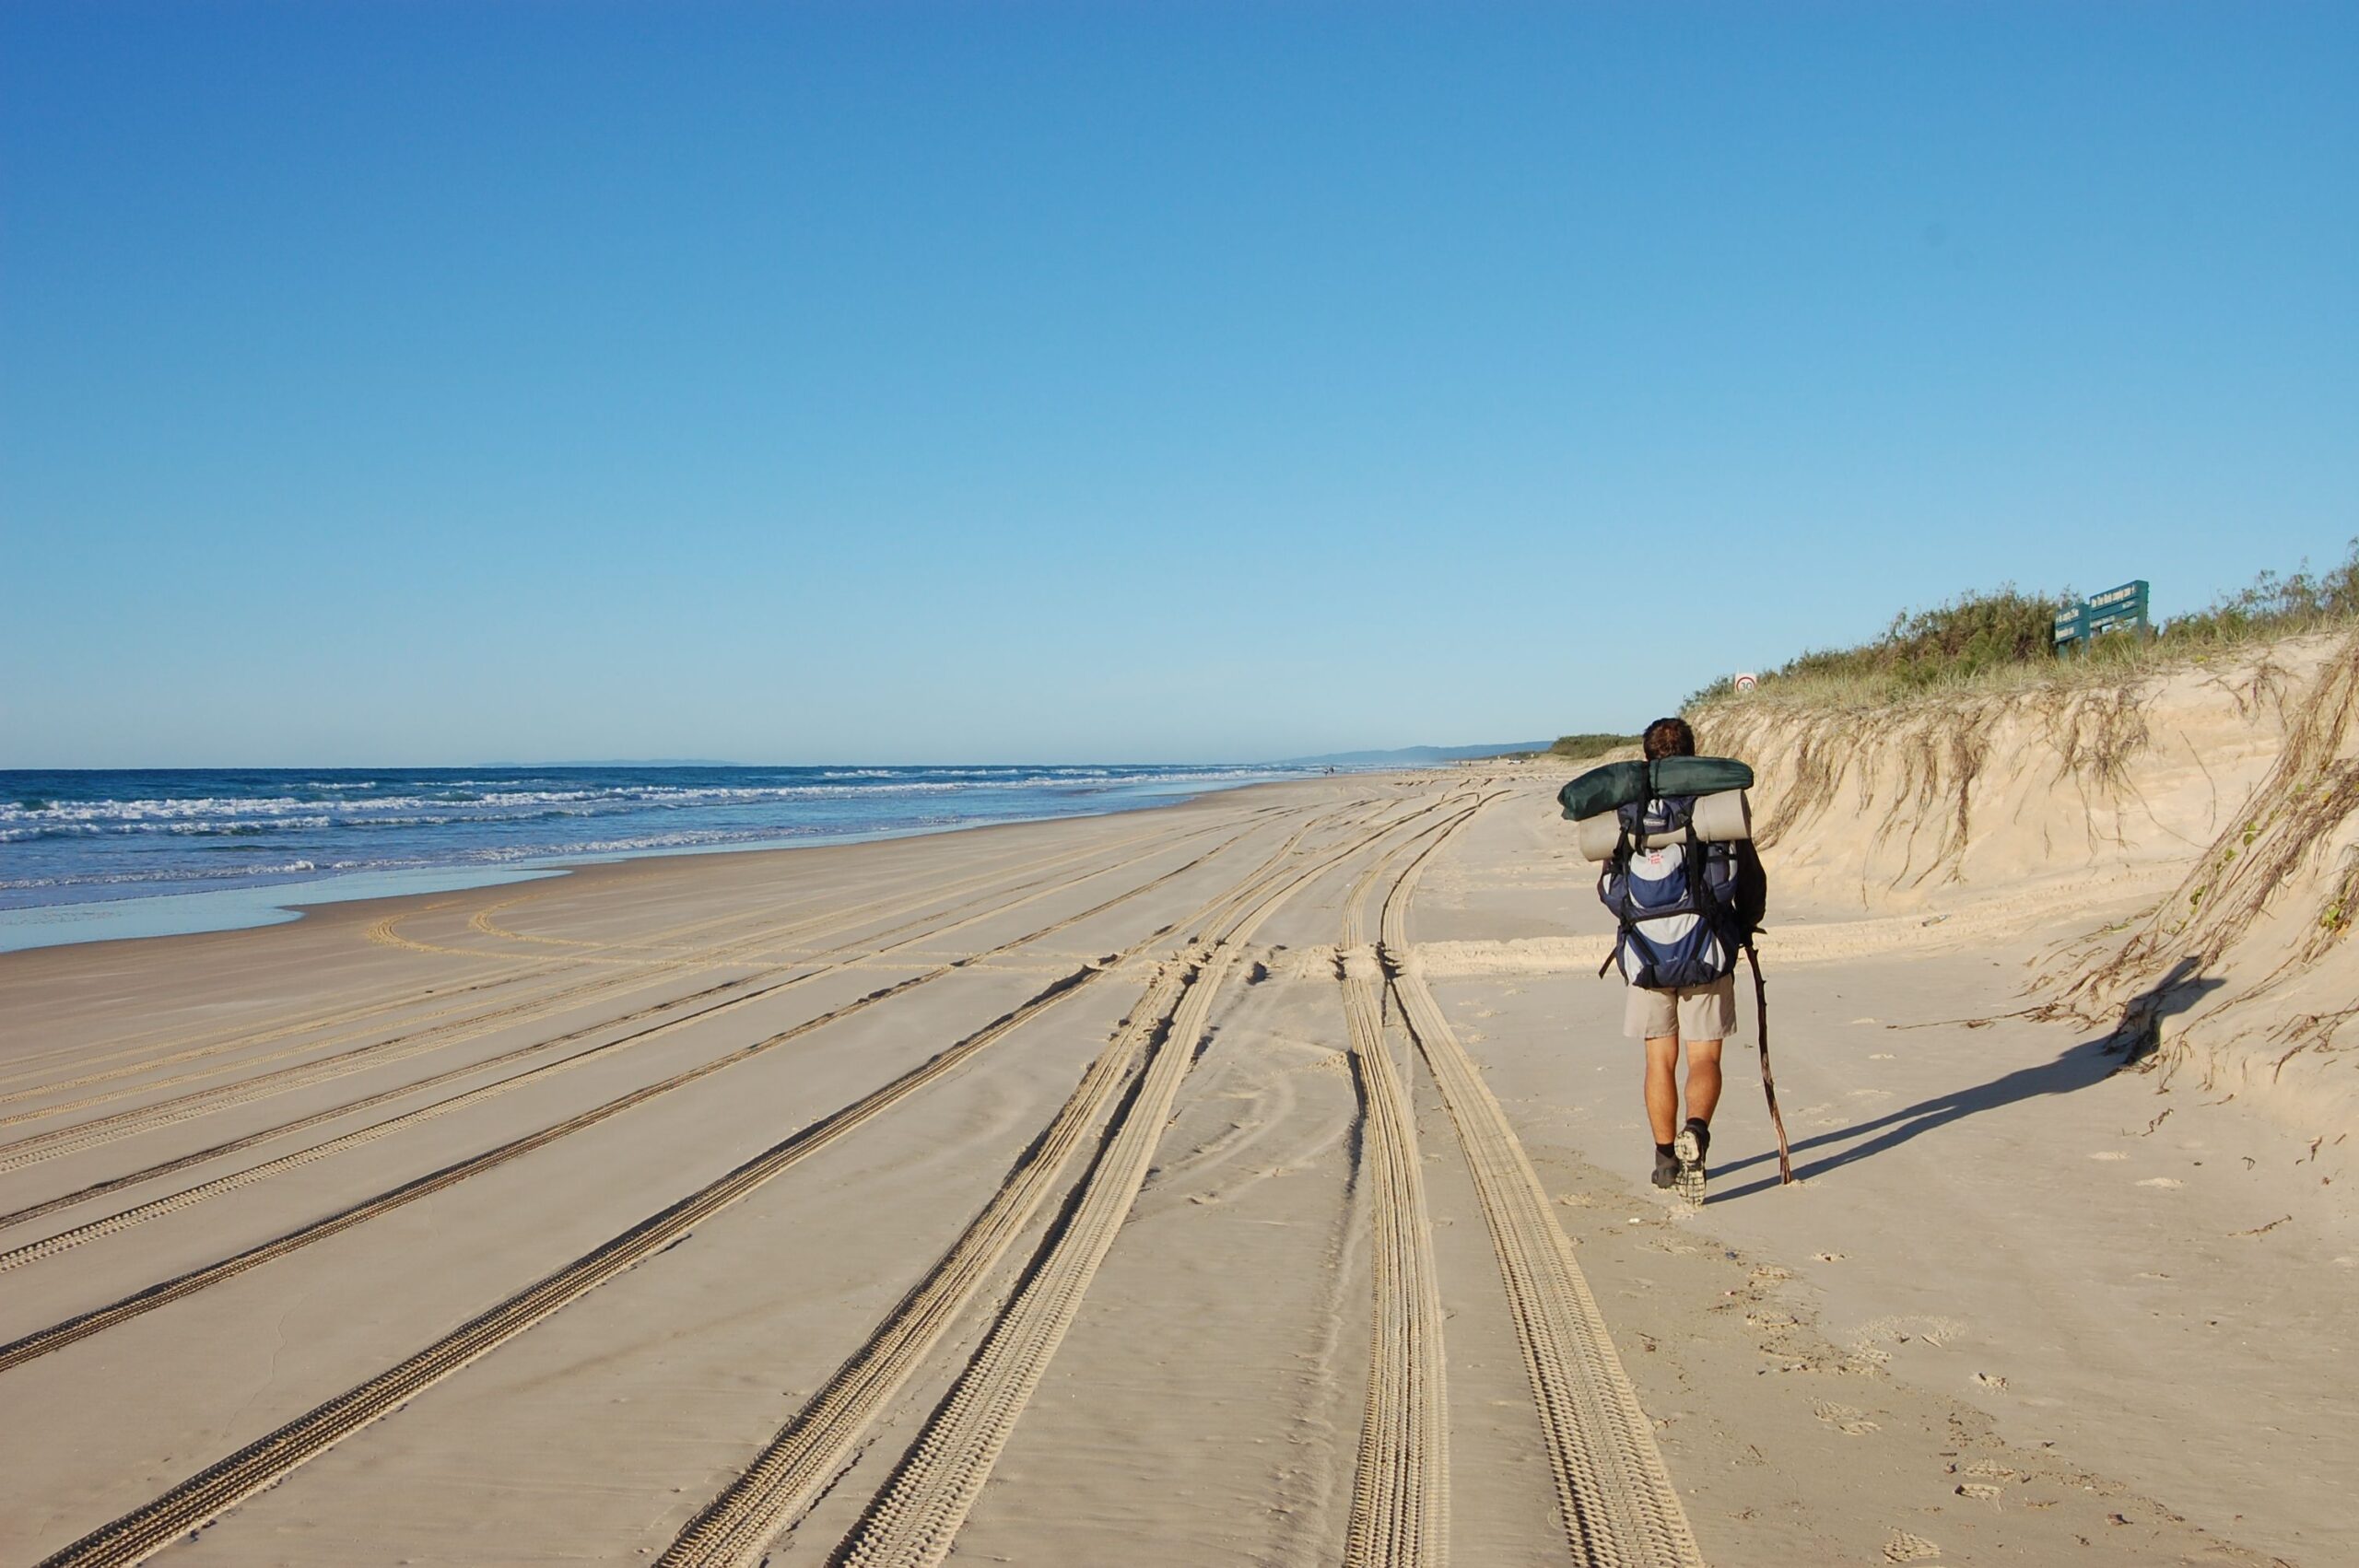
{"x":66,"y":835}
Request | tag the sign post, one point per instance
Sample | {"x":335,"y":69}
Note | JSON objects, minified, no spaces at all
{"x":2118,"y":608}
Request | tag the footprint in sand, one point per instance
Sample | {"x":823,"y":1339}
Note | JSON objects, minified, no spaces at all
{"x":1849,"y":1420}
{"x":2108,"y":1154}
{"x":1905,"y":1548}
{"x":1900,"y":1330}
{"x":2162,"y":1181}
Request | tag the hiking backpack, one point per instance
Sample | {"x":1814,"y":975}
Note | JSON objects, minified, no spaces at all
{"x":1683,"y":910}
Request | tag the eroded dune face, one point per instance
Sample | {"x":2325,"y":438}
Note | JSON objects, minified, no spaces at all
{"x":2246,"y":972}
{"x":2230,"y":788}
{"x":1885,"y":809}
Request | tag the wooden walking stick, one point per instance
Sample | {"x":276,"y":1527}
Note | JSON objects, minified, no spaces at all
{"x":1768,"y":1084}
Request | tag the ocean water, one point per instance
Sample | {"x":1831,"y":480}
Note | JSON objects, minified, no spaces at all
{"x":89,"y":854}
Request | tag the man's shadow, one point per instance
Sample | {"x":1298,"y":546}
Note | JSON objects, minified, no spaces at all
{"x":2080,"y":1066}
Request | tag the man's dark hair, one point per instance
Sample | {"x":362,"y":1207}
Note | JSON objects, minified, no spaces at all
{"x":1669,"y":737}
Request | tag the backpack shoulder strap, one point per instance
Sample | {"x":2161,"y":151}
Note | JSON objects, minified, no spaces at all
{"x":1710,"y":908}
{"x":1618,"y":863}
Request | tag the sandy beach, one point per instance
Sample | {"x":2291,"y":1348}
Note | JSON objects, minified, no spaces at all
{"x":786,"y":785}
{"x":1254,"y":1180}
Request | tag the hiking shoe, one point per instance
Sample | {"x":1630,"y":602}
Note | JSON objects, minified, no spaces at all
{"x":1688,"y":1179}
{"x":1666,"y":1167}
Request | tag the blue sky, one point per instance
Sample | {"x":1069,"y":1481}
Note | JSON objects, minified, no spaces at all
{"x":417,"y":382}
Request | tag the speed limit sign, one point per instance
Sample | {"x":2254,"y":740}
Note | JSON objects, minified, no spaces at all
{"x":1746,"y":681}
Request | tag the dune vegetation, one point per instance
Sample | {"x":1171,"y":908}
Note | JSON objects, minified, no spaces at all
{"x":2002,"y":640}
{"x":1588,"y":744}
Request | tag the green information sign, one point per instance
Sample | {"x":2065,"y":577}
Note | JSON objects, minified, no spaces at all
{"x":2116,"y":610}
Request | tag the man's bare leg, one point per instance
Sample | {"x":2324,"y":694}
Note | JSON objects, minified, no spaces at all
{"x":1703,"y":1098}
{"x":1703,"y":1081}
{"x":1662,"y":1086}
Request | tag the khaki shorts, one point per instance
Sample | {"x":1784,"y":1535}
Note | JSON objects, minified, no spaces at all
{"x":1692,"y":1012}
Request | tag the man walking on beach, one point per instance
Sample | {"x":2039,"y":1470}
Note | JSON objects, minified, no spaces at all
{"x":1699,"y":1017}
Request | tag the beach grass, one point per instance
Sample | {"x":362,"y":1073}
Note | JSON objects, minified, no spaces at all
{"x":2002,"y":641}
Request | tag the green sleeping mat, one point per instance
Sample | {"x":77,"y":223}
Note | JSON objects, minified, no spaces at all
{"x":1700,"y":775}
{"x":1602,"y":790}
{"x":1617,"y":784}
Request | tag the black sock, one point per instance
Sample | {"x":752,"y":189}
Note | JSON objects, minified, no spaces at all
{"x":1703,"y":1132}
{"x":1663,"y":1152}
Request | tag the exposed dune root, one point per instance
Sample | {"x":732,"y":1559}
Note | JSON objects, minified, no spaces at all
{"x":2287,"y":868}
{"x":1913,"y":782}
{"x":2243,"y":978}
{"x":1981,"y":789}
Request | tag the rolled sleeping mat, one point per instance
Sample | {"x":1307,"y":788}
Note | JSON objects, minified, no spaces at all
{"x":1617,"y":784}
{"x":1720,"y":818}
{"x":1699,"y":774}
{"x":1599,"y":790}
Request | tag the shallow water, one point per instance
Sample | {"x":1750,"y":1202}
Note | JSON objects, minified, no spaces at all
{"x":69,"y":840}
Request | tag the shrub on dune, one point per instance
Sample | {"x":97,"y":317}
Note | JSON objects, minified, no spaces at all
{"x":2004,"y":639}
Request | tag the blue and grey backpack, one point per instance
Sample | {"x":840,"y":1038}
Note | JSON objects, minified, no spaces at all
{"x":1685,"y":909}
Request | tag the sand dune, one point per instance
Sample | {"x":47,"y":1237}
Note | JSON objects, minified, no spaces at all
{"x":2219,"y":802}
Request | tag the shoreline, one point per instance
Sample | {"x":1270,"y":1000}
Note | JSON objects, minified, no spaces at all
{"x":253,"y":906}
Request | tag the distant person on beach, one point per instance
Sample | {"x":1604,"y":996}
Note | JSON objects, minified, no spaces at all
{"x":1697,"y":1017}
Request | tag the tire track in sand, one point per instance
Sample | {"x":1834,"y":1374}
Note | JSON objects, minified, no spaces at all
{"x":764,"y":935}
{"x":182,"y":1043}
{"x":110,"y":1129}
{"x":1400,"y":1515}
{"x":189,"y":1046}
{"x":139,"y":1213}
{"x":880,"y":909}
{"x":1613,"y":1495}
{"x":220,"y":1486}
{"x":917,"y":1515}
{"x":27,"y":1076}
{"x":56,"y":1337}
{"x":737,"y":1528}
{"x":206,"y":1495}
